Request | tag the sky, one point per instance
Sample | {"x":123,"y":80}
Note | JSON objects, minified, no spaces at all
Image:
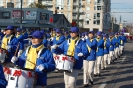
{"x":122,"y":6}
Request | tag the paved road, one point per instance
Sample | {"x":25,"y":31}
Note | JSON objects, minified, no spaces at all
{"x":118,"y":75}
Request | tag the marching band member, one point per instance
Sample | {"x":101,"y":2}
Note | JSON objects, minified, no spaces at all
{"x":37,"y":57}
{"x":20,"y":39}
{"x":89,"y":63}
{"x":83,"y":37}
{"x":9,"y":43}
{"x":122,"y":42}
{"x":106,"y":51}
{"x":99,"y":53}
{"x":25,"y":35}
{"x":111,"y":49}
{"x":3,"y":82}
{"x":45,"y":41}
{"x":58,"y":39}
{"x":76,"y":48}
{"x":116,"y":46}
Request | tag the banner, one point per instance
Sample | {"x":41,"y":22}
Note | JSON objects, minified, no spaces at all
{"x":17,"y":14}
{"x":31,"y":15}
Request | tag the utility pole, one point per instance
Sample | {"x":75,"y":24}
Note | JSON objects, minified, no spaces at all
{"x":112,"y":24}
{"x":21,"y":14}
{"x":78,"y":15}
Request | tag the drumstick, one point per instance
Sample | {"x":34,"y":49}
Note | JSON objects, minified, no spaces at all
{"x":17,"y":50}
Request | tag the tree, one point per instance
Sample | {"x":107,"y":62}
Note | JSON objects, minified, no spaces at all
{"x":37,"y":5}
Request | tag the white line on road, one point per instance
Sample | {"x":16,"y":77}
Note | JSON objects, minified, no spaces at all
{"x":102,"y":85}
{"x":123,"y":59}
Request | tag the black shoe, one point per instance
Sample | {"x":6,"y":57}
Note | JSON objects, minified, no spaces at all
{"x":86,"y":85}
{"x":91,"y":82}
{"x":105,"y":68}
{"x":95,"y":75}
{"x":99,"y":75}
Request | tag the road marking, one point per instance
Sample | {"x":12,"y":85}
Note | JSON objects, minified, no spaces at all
{"x":123,"y":59}
{"x":102,"y":85}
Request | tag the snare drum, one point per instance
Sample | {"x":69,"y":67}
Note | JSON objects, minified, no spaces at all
{"x":65,"y":63}
{"x":18,"y":78}
{"x":3,"y":54}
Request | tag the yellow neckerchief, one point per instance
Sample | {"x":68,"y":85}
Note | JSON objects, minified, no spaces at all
{"x":97,"y":41}
{"x":53,"y":34}
{"x":17,"y":35}
{"x":89,"y":49}
{"x":105,"y":43}
{"x":24,"y":33}
{"x":57,"y":38}
{"x":5,"y":42}
{"x":32,"y":57}
{"x":71,"y":47}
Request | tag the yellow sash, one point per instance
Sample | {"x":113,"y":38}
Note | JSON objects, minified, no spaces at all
{"x":57,"y":38}
{"x":97,"y":41}
{"x":32,"y":57}
{"x":89,"y":49}
{"x":121,"y":41}
{"x":5,"y":42}
{"x":53,"y":34}
{"x":71,"y":48}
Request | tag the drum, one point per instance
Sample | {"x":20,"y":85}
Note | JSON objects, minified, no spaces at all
{"x":65,"y":63}
{"x":18,"y":78}
{"x":3,"y":54}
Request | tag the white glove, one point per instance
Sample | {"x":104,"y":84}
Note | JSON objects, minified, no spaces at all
{"x":40,"y":67}
{"x":54,"y":46}
{"x":80,"y":54}
{"x":14,"y":59}
{"x":83,"y":39}
{"x":86,"y":37}
{"x":52,"y":38}
{"x":8,"y":47}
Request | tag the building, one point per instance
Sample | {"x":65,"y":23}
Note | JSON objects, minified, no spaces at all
{"x":60,"y":21}
{"x":94,"y":14}
{"x":31,"y":17}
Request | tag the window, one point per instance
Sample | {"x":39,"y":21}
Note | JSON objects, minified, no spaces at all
{"x":98,"y":14}
{"x":99,"y":8}
{"x":44,"y":16}
{"x":95,"y":15}
{"x":94,"y":22}
{"x":57,"y":7}
{"x":5,"y":15}
{"x":87,"y":8}
{"x":98,"y":22}
{"x":87,"y":22}
{"x":87,"y":15}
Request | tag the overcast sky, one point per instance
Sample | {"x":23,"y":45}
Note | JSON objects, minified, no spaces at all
{"x":117,"y":6}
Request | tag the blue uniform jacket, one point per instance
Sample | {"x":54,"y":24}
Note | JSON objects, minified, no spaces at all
{"x":112,"y":43}
{"x":21,"y":42}
{"x":117,"y":42}
{"x":45,"y":58}
{"x":25,"y":37}
{"x":107,"y":45}
{"x":100,"y":48}
{"x":45,"y":42}
{"x":3,"y":82}
{"x":93,"y":46}
{"x":79,"y":48}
